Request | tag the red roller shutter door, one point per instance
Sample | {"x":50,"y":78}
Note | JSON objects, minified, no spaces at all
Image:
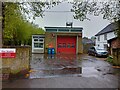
{"x":66,"y":44}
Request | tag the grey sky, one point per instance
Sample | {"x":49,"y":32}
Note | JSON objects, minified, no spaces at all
{"x":53,"y":19}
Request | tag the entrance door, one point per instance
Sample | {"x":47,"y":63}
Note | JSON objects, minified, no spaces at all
{"x":66,"y":44}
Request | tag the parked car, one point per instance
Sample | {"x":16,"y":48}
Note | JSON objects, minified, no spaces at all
{"x":97,"y":51}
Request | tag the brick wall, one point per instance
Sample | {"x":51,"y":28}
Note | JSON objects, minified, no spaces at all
{"x":80,"y":45}
{"x":115,"y":43}
{"x":49,"y":39}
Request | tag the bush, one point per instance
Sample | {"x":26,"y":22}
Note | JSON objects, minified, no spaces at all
{"x":110,"y":59}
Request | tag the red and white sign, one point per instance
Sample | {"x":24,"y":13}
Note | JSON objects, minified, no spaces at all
{"x":7,"y":53}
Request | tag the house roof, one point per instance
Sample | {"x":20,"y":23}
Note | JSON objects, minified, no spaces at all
{"x":109,"y":28}
{"x":87,"y":41}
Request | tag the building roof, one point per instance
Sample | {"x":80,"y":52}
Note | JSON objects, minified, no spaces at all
{"x":109,"y":28}
{"x":63,"y":29}
{"x":86,"y":40}
{"x":66,"y":27}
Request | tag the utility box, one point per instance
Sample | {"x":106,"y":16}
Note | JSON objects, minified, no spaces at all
{"x":51,"y":51}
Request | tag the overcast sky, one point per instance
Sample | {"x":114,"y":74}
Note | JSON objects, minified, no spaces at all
{"x":54,"y":19}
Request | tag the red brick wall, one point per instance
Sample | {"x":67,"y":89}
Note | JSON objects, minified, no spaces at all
{"x":115,"y":43}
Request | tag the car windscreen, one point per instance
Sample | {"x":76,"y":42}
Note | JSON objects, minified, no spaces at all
{"x":100,"y":50}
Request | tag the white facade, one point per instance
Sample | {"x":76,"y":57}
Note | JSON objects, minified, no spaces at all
{"x":38,"y":43}
{"x":101,"y":40}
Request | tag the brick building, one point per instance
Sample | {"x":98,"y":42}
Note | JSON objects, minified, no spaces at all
{"x":67,"y":40}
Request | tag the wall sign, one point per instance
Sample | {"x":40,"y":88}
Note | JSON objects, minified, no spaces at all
{"x":7,"y":53}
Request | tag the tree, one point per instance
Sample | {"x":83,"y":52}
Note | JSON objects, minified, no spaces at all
{"x":16,"y":29}
{"x":109,"y":9}
{"x":36,"y":9}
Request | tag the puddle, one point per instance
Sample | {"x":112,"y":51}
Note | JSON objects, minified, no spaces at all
{"x":54,"y":65}
{"x":45,"y":65}
{"x":56,"y":72}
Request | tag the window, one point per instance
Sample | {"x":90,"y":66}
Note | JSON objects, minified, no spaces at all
{"x":51,"y":30}
{"x":98,"y":38}
{"x":64,"y":30}
{"x":105,"y":36}
{"x":98,"y":45}
{"x":35,"y":36}
{"x":35,"y":39}
{"x":92,"y":48}
{"x":68,"y":45}
{"x":76,"y":30}
{"x":64,"y":45}
{"x":38,"y":45}
{"x":41,"y":40}
{"x":59,"y":45}
{"x":72,"y":45}
{"x":105,"y":46}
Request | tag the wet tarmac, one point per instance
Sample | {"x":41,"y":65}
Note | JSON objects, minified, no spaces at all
{"x":68,"y":71}
{"x":44,"y":66}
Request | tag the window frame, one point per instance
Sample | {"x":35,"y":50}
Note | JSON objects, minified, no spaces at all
{"x":105,"y":36}
{"x":98,"y":38}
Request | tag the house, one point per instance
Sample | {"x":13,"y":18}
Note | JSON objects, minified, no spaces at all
{"x":65,"y":40}
{"x":106,"y":34}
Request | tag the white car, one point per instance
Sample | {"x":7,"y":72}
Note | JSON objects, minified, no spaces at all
{"x":98,"y":51}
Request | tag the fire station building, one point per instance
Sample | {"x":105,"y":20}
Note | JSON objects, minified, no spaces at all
{"x":64,"y":40}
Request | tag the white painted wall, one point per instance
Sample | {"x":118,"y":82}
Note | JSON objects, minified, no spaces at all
{"x":101,"y":43}
{"x":110,"y":35}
